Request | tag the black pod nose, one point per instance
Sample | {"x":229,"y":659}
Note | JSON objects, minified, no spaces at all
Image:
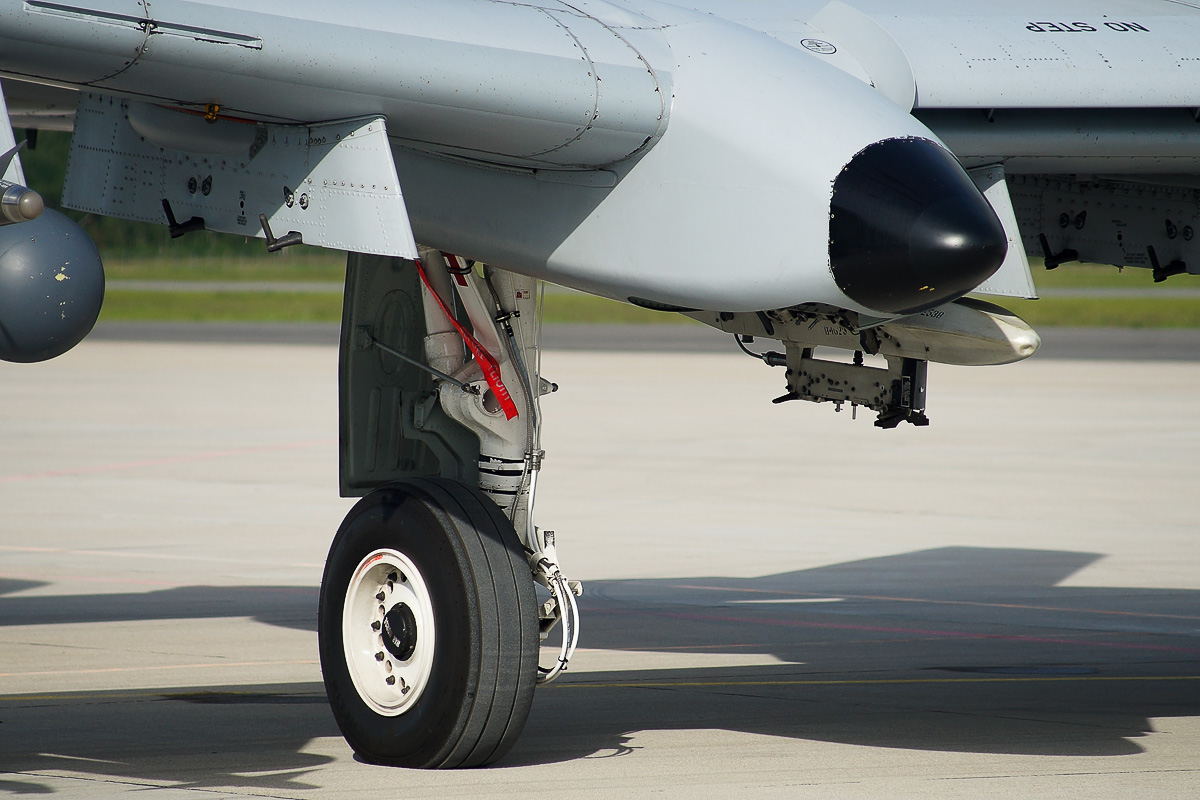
{"x":908,"y":230}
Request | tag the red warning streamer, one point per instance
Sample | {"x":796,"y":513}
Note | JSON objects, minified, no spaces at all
{"x":491,"y":370}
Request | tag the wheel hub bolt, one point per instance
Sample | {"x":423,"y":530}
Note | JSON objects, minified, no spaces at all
{"x":379,"y":656}
{"x":390,"y":680}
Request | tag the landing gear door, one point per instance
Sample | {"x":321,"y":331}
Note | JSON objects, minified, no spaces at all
{"x":391,"y":423}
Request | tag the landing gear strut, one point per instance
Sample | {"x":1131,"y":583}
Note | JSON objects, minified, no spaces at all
{"x":429,"y":624}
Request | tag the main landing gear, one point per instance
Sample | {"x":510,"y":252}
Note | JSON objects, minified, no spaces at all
{"x":429,"y":624}
{"x":429,"y":635}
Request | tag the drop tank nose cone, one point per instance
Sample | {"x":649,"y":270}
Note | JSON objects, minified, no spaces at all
{"x":18,"y":204}
{"x":908,"y":230}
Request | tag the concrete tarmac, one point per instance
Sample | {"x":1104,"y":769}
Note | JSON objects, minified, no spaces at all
{"x":780,"y":601}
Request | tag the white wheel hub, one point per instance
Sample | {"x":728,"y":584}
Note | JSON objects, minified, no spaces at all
{"x":387,"y":632}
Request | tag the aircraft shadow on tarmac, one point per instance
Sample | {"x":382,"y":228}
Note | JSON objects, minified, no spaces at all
{"x":956,"y":649}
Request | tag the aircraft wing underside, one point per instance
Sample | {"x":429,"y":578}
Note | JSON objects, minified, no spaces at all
{"x":648,"y":140}
{"x":1013,"y":54}
{"x":1083,"y":106}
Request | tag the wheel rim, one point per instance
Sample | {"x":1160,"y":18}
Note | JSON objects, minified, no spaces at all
{"x":387,"y":632}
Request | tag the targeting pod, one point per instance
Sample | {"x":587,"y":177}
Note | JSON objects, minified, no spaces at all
{"x":51,"y":286}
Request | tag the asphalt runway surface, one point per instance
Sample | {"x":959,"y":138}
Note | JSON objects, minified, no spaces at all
{"x":780,"y":601}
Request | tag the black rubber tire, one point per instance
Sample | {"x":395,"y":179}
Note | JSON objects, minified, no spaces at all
{"x":485,"y":618}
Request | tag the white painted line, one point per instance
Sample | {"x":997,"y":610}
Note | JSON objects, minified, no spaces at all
{"x":788,"y":600}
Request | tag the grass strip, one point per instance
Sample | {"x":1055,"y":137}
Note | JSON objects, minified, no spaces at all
{"x":230,"y":306}
{"x":227,"y":306}
{"x":1099,"y":276}
{"x":588,"y":308}
{"x":1086,"y":312}
{"x":310,"y":264}
{"x":315,"y":264}
{"x":123,"y":305}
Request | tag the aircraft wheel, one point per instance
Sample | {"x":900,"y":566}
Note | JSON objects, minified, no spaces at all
{"x":428,"y":627}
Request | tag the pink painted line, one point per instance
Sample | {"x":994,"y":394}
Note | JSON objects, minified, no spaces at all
{"x":8,"y":548}
{"x":52,"y":578}
{"x":159,"y":668}
{"x":926,"y":600}
{"x":158,"y":462}
{"x":932,"y":633}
